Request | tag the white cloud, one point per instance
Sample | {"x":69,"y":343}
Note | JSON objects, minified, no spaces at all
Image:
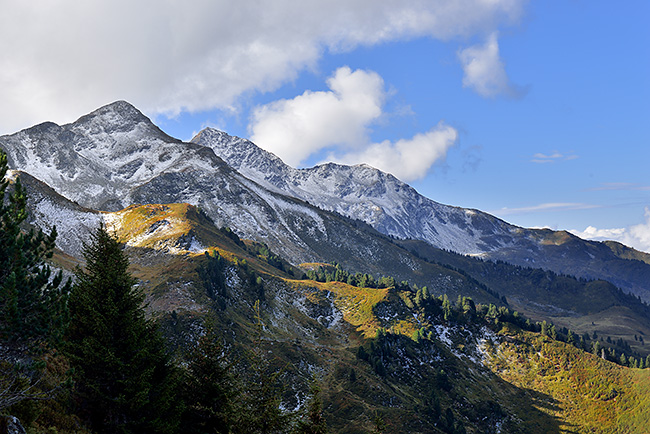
{"x":485,"y":71}
{"x":63,"y":58}
{"x":338,"y":122}
{"x":295,"y":129}
{"x":407,"y":159}
{"x":623,"y":186}
{"x":637,"y":236}
{"x":551,"y":206}
{"x":552,"y":158}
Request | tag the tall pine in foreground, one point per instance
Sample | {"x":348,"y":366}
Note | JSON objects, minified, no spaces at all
{"x":32,"y":301}
{"x":124,"y":380}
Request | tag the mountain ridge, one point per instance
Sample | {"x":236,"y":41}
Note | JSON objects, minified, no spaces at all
{"x":396,"y":209}
{"x":115,"y":157}
{"x":410,"y":354}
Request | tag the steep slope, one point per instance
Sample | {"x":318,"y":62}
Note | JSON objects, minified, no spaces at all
{"x":375,"y":351}
{"x":367,"y":194}
{"x":115,"y":157}
{"x":48,"y":209}
{"x":394,"y":208}
{"x":592,"y":307}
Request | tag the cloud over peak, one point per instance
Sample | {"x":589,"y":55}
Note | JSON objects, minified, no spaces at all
{"x":296,"y":128}
{"x":338,"y":121}
{"x":61,"y":59}
{"x":637,"y":236}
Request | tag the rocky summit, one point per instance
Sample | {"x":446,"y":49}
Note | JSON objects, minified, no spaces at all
{"x":411,"y":315}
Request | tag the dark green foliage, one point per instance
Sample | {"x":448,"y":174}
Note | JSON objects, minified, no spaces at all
{"x":380,"y":425}
{"x":209,"y":389}
{"x":335,"y":273}
{"x":259,"y":403}
{"x":124,"y":380}
{"x":33,"y":309}
{"x":232,"y":235}
{"x":32,"y":301}
{"x":211,"y":273}
{"x":263,"y":252}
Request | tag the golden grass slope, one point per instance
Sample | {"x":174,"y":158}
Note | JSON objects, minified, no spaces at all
{"x":586,"y":394}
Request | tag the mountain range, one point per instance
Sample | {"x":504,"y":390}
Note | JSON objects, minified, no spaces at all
{"x":171,"y":201}
{"x":115,"y":156}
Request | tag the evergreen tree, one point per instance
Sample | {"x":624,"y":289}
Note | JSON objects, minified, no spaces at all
{"x":33,"y":310}
{"x":32,"y":302}
{"x":124,"y":381}
{"x":209,"y":388}
{"x":260,"y":402}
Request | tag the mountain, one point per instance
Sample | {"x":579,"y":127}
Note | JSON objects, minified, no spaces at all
{"x":267,"y":263}
{"x":115,"y":157}
{"x":375,"y":351}
{"x":396,"y":209}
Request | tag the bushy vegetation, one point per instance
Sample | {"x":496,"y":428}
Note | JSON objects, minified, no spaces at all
{"x":334,"y":273}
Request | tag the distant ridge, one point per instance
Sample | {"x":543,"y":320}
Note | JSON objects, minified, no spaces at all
{"x":396,"y":209}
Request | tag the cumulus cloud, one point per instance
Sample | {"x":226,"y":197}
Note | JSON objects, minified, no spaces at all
{"x":484,"y":70}
{"x":338,"y":122}
{"x":407,"y":159}
{"x":296,"y":128}
{"x":637,"y":236}
{"x":61,"y":59}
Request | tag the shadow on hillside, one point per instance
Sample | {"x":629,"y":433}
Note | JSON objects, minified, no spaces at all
{"x":538,"y":412}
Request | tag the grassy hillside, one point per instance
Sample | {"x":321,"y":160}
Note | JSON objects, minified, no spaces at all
{"x":417,"y":361}
{"x":585,"y":393}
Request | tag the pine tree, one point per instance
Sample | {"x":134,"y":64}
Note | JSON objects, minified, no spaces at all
{"x":124,"y":381}
{"x":32,"y":302}
{"x":313,"y":421}
{"x":33,"y":311}
{"x":209,"y":388}
{"x":260,"y":404}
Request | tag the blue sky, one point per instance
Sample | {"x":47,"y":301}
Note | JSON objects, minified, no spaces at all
{"x":537,"y":112}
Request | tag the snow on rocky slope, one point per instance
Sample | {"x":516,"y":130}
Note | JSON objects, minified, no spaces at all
{"x":365,"y":193}
{"x":394,"y":208}
{"x":115,"y":157}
